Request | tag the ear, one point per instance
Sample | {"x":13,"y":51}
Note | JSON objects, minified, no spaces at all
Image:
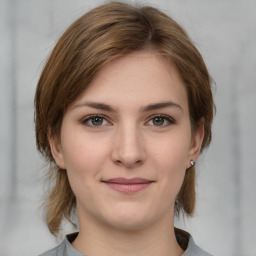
{"x":196,"y":143}
{"x":55,"y":145}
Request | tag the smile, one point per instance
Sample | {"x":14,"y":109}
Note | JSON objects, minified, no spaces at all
{"x":128,"y":186}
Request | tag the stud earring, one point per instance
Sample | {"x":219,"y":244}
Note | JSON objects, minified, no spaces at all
{"x":192,"y":163}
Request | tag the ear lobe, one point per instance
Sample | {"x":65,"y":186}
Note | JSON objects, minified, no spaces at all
{"x":56,"y":150}
{"x":196,"y":143}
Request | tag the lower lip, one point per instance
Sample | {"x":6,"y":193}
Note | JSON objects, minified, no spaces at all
{"x":128,"y":188}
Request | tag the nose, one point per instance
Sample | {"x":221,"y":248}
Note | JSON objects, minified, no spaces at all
{"x":128,"y":147}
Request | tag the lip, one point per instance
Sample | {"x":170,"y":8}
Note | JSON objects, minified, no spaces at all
{"x":128,"y":186}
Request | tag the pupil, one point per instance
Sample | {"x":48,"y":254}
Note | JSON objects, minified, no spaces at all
{"x":97,"y":120}
{"x":158,"y":121}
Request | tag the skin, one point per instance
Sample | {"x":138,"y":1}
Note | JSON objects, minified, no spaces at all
{"x":128,"y":142}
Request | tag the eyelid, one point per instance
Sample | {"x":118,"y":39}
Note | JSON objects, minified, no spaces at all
{"x":170,"y":119}
{"x":85,"y":119}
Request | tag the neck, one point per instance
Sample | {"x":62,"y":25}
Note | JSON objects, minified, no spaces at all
{"x":158,"y":239}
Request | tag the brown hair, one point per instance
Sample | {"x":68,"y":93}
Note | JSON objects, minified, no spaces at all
{"x":107,"y":32}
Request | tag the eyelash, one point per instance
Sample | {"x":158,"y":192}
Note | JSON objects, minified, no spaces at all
{"x":169,"y":120}
{"x":88,"y":118}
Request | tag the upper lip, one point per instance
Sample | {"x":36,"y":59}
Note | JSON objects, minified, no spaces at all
{"x":120,"y":180}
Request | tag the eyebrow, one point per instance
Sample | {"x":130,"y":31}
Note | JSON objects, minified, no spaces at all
{"x":160,"y":105}
{"x":147,"y":108}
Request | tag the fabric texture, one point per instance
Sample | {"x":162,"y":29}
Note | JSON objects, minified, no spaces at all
{"x":184,"y":239}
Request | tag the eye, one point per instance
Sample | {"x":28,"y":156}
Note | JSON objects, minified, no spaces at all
{"x":161,"y":120}
{"x":95,"y":121}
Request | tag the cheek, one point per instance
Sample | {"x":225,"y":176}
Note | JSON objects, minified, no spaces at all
{"x":83,"y":153}
{"x":85,"y":157}
{"x":170,"y":159}
{"x":172,"y":151}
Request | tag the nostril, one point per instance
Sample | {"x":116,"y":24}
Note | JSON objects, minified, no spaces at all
{"x":128,"y":149}
{"x":129,"y":164}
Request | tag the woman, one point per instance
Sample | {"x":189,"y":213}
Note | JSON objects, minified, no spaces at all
{"x":123,"y":108}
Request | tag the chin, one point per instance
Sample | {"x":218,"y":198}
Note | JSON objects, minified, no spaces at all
{"x":128,"y":224}
{"x":128,"y":220}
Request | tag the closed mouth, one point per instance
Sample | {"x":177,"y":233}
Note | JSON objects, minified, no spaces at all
{"x":128,"y":186}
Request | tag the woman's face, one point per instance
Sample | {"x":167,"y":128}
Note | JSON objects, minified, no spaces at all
{"x":126,"y":143}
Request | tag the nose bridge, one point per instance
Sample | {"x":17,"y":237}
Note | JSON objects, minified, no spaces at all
{"x":128,"y":146}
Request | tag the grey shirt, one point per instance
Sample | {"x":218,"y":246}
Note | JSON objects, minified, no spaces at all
{"x":184,"y":239}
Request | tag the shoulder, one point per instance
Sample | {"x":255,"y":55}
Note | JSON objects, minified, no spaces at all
{"x":57,"y":251}
{"x":194,"y":250}
{"x":186,"y":242}
{"x":65,"y":248}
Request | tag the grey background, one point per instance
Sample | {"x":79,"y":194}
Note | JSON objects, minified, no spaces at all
{"x":224,"y":32}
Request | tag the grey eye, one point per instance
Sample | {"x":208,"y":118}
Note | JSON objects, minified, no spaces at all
{"x":161,"y":120}
{"x":158,"y":120}
{"x":97,"y":121}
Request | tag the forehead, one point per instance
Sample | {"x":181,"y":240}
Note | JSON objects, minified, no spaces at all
{"x":136,"y":79}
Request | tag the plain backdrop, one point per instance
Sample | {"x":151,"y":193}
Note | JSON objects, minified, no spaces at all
{"x":224,"y":32}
